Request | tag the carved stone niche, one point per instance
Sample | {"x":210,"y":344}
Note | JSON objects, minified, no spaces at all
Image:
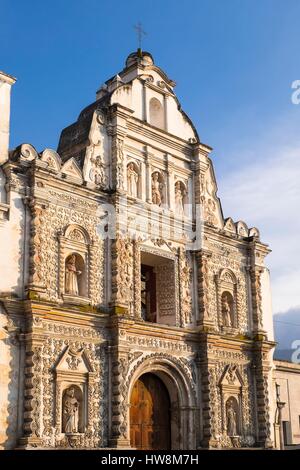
{"x":74,"y":382}
{"x":75,"y":256}
{"x":231,"y":387}
{"x":227,"y":300}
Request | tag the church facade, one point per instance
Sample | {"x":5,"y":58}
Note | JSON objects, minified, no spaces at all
{"x":132,"y":313}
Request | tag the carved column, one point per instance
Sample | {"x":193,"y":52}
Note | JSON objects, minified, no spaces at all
{"x":36,"y":281}
{"x":119,"y":432}
{"x":209,"y":401}
{"x":118,"y":162}
{"x":122,"y":274}
{"x":137,"y":279}
{"x":255,"y":276}
{"x":33,"y":389}
{"x":202,"y":258}
{"x":148,"y":177}
{"x":262,"y":370}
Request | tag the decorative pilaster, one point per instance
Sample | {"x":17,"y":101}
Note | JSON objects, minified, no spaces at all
{"x":119,"y":434}
{"x":137,"y":279}
{"x":209,"y":403}
{"x":122,"y":275}
{"x":255,"y":275}
{"x":36,"y":281}
{"x":118,"y":162}
{"x":202,"y":257}
{"x":33,"y":390}
{"x":148,"y":177}
{"x":262,"y":370}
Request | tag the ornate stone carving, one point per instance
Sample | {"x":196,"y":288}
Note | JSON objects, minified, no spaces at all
{"x":157,"y":186}
{"x":180,"y":196}
{"x":98,"y":171}
{"x":255,"y":274}
{"x":122,"y":260}
{"x":72,"y":273}
{"x":132,"y":180}
{"x":185,"y":283}
{"x":70,"y":409}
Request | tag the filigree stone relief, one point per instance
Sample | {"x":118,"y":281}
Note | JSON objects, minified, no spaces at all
{"x":216,"y":403}
{"x":96,"y":419}
{"x":123,"y":270}
{"x":185,"y":285}
{"x":239,"y":289}
{"x":45,"y":263}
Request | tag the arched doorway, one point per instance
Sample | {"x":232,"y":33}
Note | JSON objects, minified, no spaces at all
{"x":150,"y":414}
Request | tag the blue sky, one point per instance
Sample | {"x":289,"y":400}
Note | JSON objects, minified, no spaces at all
{"x":234,"y":62}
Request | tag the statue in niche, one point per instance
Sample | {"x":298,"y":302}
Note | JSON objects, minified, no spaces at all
{"x":227,"y":310}
{"x":70,"y":412}
{"x":132,"y":180}
{"x":231,"y":419}
{"x":179,"y":197}
{"x":72,"y":276}
{"x":156,"y":189}
{"x":98,"y":172}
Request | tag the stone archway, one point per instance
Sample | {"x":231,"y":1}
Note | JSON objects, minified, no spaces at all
{"x":183,"y":416}
{"x":150,"y":409}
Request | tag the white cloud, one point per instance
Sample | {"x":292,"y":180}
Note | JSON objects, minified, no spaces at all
{"x":266,"y":193}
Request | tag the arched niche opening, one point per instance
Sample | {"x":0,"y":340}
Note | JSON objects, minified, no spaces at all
{"x":72,"y":410}
{"x":156,"y":113}
{"x":75,"y":276}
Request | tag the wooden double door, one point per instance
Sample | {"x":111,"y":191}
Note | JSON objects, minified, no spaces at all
{"x":150,"y":414}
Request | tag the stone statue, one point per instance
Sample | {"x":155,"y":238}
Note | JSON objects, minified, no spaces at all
{"x":179,"y":195}
{"x":231,"y":420}
{"x":156,"y":189}
{"x":226,"y":311}
{"x":72,"y":276}
{"x":70,"y":412}
{"x":132,"y":180}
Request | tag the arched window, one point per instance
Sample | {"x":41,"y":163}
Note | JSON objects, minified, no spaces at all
{"x":156,"y":113}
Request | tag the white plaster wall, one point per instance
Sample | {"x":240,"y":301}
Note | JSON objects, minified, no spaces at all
{"x":289,"y":382}
{"x":177,"y":124}
{"x":4,"y":118}
{"x":12,"y":248}
{"x":9,"y":387}
{"x":2,"y":187}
